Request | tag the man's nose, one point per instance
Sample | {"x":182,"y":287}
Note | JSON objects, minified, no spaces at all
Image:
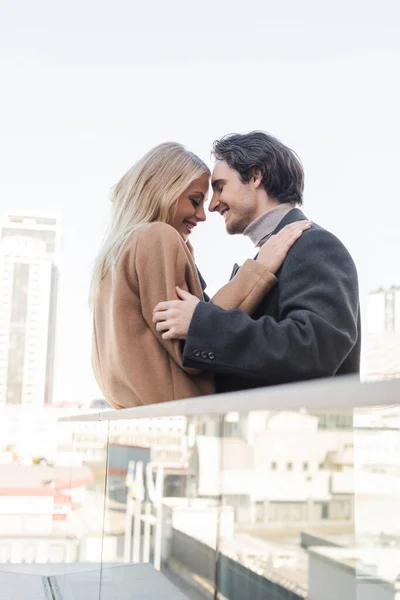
{"x":200,"y":213}
{"x":214,"y":203}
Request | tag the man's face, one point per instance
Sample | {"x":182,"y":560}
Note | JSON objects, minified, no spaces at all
{"x":235,"y":201}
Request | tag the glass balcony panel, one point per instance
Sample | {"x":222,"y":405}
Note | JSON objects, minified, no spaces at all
{"x":52,"y":501}
{"x":161,"y":517}
{"x":84,"y":525}
{"x":377,"y":502}
{"x":284,"y":504}
{"x":287,"y":483}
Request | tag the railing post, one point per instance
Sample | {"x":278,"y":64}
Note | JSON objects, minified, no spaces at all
{"x":147,"y":533}
{"x":128,"y":528}
{"x":136,"y":531}
{"x":158,"y":537}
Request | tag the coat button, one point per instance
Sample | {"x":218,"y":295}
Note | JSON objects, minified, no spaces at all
{"x":196,"y":353}
{"x":211,"y":355}
{"x":204,"y":354}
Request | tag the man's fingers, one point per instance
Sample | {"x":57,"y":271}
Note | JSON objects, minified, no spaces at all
{"x":161,"y":306}
{"x":160,"y":316}
{"x":162,"y":326}
{"x":168,"y":335}
{"x":183,"y":294}
{"x":167,"y":305}
{"x":170,"y":304}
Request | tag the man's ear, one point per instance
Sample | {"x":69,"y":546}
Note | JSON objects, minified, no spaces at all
{"x":256,"y":178}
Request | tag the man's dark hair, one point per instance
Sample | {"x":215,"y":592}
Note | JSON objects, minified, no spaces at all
{"x":280,"y":167}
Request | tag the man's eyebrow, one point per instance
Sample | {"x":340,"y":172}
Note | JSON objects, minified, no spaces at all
{"x":216,"y":182}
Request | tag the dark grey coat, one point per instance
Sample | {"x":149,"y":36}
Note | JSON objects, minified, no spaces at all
{"x":307,"y":327}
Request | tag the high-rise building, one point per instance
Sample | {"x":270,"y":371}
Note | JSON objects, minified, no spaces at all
{"x":381,"y":352}
{"x":29,"y":275}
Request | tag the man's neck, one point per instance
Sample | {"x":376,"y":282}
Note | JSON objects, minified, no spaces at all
{"x":266,"y":205}
{"x":265,"y":224}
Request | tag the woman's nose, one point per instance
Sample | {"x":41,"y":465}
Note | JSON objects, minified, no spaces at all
{"x":200,"y":213}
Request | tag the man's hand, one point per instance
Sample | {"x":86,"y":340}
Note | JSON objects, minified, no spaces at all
{"x":173,"y":317}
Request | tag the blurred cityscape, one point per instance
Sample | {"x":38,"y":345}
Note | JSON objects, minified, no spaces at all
{"x":297,"y":499}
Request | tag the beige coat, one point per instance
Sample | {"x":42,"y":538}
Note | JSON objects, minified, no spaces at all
{"x":133,"y":365}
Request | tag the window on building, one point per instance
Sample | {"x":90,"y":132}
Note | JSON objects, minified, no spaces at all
{"x":289,"y":466}
{"x":274,"y":466}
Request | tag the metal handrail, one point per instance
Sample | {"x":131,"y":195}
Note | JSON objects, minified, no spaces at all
{"x":340,"y":393}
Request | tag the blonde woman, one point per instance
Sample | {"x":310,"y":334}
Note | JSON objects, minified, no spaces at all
{"x":146,"y":253}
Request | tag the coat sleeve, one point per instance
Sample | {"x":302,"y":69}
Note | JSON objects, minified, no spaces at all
{"x":161,"y":263}
{"x":315,"y":330}
{"x":246,"y":290}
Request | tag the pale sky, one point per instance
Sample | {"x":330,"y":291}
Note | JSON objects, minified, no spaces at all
{"x":88,"y":87}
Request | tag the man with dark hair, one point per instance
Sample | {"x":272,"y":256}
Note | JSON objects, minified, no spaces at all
{"x":308,"y":326}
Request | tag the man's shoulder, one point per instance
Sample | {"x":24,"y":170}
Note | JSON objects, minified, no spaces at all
{"x":298,"y":215}
{"x":318,"y":244}
{"x":316,"y":232}
{"x":319,"y":236}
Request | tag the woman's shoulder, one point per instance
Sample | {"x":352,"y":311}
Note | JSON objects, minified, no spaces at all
{"x":153,"y":234}
{"x":157,"y":229}
{"x":153,"y":238}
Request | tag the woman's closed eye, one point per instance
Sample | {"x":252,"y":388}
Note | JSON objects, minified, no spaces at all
{"x":196,"y":203}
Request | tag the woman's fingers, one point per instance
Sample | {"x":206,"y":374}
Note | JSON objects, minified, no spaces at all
{"x":289,"y":234}
{"x":274,"y":251}
{"x":297,"y":227}
{"x":294,"y":236}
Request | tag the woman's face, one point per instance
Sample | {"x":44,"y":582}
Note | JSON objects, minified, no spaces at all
{"x":189,"y":209}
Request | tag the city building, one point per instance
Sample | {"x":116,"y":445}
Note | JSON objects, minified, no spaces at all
{"x":29,"y":277}
{"x":309,"y":479}
{"x":37,"y":505}
{"x":381,"y":346}
{"x":350,"y":573}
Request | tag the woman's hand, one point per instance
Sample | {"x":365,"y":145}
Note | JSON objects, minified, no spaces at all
{"x":274,"y":251}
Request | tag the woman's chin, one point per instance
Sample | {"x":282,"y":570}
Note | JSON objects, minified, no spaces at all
{"x":184,"y":235}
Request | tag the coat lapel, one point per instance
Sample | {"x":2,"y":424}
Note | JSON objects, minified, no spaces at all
{"x":202,"y":281}
{"x":234,"y":271}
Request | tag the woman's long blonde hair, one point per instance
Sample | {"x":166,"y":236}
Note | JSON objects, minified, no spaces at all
{"x":148,"y":192}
